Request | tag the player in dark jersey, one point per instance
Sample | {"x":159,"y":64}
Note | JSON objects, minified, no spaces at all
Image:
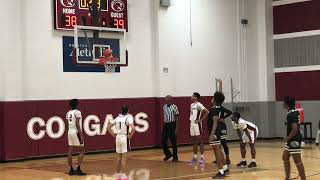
{"x":216,"y":131}
{"x":293,"y":140}
{"x":225,"y":113}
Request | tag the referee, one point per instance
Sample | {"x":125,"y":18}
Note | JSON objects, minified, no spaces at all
{"x":171,"y":113}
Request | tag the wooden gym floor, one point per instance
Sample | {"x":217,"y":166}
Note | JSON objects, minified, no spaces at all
{"x":140,"y":164}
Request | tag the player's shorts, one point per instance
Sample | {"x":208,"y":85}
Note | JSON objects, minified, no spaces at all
{"x":121,"y":144}
{"x":245,"y":138}
{"x":294,"y":146}
{"x":221,"y":131}
{"x":74,"y":139}
{"x":215,"y":142}
{"x":195,"y":129}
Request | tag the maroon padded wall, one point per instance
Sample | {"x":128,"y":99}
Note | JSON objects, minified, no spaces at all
{"x":301,"y":85}
{"x":296,"y":17}
{"x":14,"y":116}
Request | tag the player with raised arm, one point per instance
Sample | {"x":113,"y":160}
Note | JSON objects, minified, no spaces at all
{"x":198,"y":113}
{"x":293,"y":140}
{"x":225,"y":114}
{"x":124,"y":130}
{"x":216,"y":131}
{"x":75,"y":136}
{"x":247,"y":133}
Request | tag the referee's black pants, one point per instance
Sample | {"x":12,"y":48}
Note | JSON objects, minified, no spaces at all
{"x":169,"y":132}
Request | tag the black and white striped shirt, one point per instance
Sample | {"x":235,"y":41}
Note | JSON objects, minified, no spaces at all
{"x":169,"y":112}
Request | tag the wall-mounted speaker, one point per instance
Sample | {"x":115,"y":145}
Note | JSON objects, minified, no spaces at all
{"x":166,"y":3}
{"x":244,"y":21}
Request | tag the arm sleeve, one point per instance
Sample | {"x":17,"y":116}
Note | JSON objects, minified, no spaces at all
{"x":176,"y":111}
{"x":130,"y":120}
{"x":78,"y":114}
{"x":200,"y":107}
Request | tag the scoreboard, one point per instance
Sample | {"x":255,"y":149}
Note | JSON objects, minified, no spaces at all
{"x":111,"y":14}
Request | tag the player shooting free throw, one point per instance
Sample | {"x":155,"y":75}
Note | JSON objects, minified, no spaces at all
{"x":124,"y":130}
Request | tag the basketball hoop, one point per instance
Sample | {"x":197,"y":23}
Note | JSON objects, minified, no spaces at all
{"x":108,"y":61}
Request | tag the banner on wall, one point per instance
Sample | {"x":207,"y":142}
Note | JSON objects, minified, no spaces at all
{"x":92,"y":126}
{"x":85,"y":61}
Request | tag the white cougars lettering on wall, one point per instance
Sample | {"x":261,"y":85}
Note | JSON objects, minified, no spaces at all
{"x":91,"y":126}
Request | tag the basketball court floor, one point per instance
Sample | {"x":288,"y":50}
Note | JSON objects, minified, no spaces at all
{"x":148,"y":164}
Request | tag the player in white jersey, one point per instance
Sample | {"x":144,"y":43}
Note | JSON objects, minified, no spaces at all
{"x":122,"y":128}
{"x":75,"y":136}
{"x":198,"y":113}
{"x":248,"y":133}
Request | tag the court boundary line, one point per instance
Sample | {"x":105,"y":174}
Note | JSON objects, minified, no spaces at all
{"x":110,"y":151}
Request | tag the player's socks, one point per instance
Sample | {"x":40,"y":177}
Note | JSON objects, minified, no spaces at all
{"x":228,"y":162}
{"x":243,"y":159}
{"x":195,"y":156}
{"x":253,"y":160}
{"x":225,"y":167}
{"x":201,"y":161}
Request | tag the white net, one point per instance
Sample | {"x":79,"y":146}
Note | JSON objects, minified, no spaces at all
{"x":108,"y":60}
{"x":110,"y":68}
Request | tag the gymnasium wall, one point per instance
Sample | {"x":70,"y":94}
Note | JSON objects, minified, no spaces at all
{"x":199,"y":51}
{"x":297,"y":70}
{"x":10,"y":69}
{"x":297,"y":39}
{"x":152,"y":42}
{"x":215,"y":45}
{"x":44,"y":78}
{"x":35,"y":86}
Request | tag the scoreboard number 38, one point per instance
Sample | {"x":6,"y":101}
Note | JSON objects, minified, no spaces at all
{"x":111,"y":13}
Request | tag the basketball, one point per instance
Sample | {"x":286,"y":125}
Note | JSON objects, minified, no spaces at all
{"x":102,"y":61}
{"x":107,"y":53}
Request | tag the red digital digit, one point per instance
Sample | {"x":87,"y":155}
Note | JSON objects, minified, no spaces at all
{"x":71,"y":21}
{"x":116,"y":23}
{"x":68,"y":21}
{"x":121,"y":23}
